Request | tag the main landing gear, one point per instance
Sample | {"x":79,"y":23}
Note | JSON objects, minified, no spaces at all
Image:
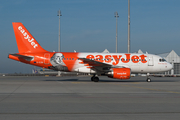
{"x":148,"y":78}
{"x":94,"y":78}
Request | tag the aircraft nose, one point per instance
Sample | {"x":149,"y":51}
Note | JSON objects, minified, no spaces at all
{"x":169,"y":66}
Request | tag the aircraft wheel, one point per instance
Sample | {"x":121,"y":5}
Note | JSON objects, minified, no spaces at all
{"x":96,"y":79}
{"x":148,"y":80}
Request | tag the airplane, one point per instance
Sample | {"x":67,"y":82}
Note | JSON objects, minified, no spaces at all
{"x":113,"y":65}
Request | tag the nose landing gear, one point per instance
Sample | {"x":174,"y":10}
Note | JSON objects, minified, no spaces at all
{"x":148,"y":78}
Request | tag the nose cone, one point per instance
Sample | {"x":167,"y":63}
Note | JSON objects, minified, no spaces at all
{"x":169,"y":66}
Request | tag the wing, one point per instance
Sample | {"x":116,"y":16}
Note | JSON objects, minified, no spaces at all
{"x":98,"y":66}
{"x":28,"y":58}
{"x":94,"y":63}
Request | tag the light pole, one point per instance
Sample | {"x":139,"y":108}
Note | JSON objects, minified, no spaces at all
{"x":116,"y":15}
{"x":129,"y":26}
{"x":59,"y":14}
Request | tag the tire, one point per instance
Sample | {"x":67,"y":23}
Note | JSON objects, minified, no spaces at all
{"x":96,"y":79}
{"x":148,"y":80}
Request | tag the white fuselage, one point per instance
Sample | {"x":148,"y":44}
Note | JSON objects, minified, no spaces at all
{"x":138,"y":63}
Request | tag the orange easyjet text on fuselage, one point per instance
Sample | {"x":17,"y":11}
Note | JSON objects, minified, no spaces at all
{"x":118,"y":58}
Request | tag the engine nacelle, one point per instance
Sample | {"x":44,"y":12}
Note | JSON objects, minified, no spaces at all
{"x":120,"y":73}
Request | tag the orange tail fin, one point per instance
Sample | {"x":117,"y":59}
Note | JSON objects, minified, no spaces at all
{"x":25,"y":41}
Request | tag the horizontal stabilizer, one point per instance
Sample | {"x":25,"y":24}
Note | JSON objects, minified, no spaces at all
{"x":28,"y":58}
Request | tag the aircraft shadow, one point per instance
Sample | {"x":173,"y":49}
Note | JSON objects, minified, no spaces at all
{"x":114,"y":80}
{"x":61,"y":80}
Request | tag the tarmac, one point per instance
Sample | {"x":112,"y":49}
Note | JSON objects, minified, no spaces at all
{"x":78,"y":98}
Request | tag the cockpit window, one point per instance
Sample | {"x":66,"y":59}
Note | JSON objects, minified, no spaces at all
{"x":162,"y":60}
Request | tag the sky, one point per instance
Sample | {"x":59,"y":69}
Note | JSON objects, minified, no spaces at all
{"x":90,"y":26}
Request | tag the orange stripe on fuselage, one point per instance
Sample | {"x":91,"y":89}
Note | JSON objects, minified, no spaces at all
{"x":72,"y":57}
{"x":43,"y":59}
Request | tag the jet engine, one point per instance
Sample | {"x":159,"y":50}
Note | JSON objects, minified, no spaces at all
{"x":120,"y":73}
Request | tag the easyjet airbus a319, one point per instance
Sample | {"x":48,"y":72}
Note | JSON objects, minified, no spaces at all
{"x":113,"y":65}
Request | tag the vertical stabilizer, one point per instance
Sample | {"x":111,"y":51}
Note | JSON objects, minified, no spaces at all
{"x":25,"y":41}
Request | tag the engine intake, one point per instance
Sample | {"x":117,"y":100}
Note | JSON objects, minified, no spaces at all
{"x":120,"y":73}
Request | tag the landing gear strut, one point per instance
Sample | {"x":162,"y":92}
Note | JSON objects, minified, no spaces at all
{"x":94,"y":78}
{"x":148,"y":78}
